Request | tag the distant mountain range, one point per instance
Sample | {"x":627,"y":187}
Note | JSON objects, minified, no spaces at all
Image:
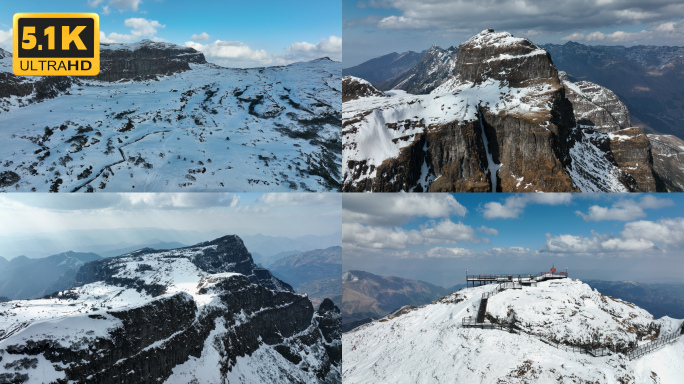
{"x":24,"y":278}
{"x":317,"y":273}
{"x":385,"y":67}
{"x":367,"y":296}
{"x":268,"y":249}
{"x":658,"y":299}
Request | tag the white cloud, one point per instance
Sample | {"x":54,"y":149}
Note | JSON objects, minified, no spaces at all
{"x":121,"y":5}
{"x":237,"y":54}
{"x":330,"y":47}
{"x":514,"y":206}
{"x":401,"y":22}
{"x":625,"y":209}
{"x":201,"y":37}
{"x":667,"y":231}
{"x":6,"y":40}
{"x":140,"y":28}
{"x":449,"y":253}
{"x":179,"y":200}
{"x":667,"y":33}
{"x":355,"y":235}
{"x":635,"y":238}
{"x":508,"y":251}
{"x":398,"y":208}
{"x":488,"y":231}
{"x":624,"y":213}
{"x":596,"y":244}
{"x":300,"y":199}
{"x":125,"y":4}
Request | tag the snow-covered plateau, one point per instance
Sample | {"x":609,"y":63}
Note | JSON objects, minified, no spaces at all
{"x":551,"y":324}
{"x":159,"y":118}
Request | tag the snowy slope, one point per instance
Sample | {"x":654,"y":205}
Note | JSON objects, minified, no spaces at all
{"x":207,"y":129}
{"x":90,"y":320}
{"x":430,"y":345}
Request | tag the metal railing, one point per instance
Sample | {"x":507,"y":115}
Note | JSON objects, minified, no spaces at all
{"x":653,"y":345}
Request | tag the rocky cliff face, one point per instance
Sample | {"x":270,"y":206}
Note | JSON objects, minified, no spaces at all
{"x":172,"y":316}
{"x":500,"y":122}
{"x":354,"y":87}
{"x":668,"y":160}
{"x":144,"y":60}
{"x":595,"y":106}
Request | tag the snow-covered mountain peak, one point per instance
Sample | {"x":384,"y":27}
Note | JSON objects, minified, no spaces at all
{"x":552,"y":326}
{"x":176,"y":316}
{"x":489,"y":37}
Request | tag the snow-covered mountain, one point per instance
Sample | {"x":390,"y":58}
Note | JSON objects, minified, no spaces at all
{"x":553,"y":326}
{"x":503,"y":120}
{"x":382,"y":68}
{"x":159,"y":118}
{"x":649,"y":79}
{"x":435,"y":66}
{"x":200,"y":314}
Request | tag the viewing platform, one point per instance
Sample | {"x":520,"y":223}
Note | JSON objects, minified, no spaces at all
{"x":476,"y":280}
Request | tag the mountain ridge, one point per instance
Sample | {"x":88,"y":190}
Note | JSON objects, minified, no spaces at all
{"x":182,"y":315}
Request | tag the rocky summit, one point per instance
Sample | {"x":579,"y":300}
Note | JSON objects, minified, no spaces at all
{"x":200,"y":314}
{"x":503,"y":119}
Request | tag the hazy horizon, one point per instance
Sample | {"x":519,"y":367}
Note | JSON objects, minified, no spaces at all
{"x":48,"y":224}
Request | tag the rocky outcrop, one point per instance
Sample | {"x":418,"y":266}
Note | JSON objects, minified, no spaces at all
{"x":500,"y":56}
{"x":354,"y":87}
{"x":145,"y":59}
{"x":433,"y":69}
{"x":595,"y":106}
{"x":39,"y":89}
{"x":329,"y":320}
{"x":668,"y":161}
{"x":631,"y":150}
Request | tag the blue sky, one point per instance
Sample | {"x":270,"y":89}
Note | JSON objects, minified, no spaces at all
{"x":376,"y":27}
{"x":262,"y":33}
{"x":437,"y":237}
{"x":39,"y":225}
